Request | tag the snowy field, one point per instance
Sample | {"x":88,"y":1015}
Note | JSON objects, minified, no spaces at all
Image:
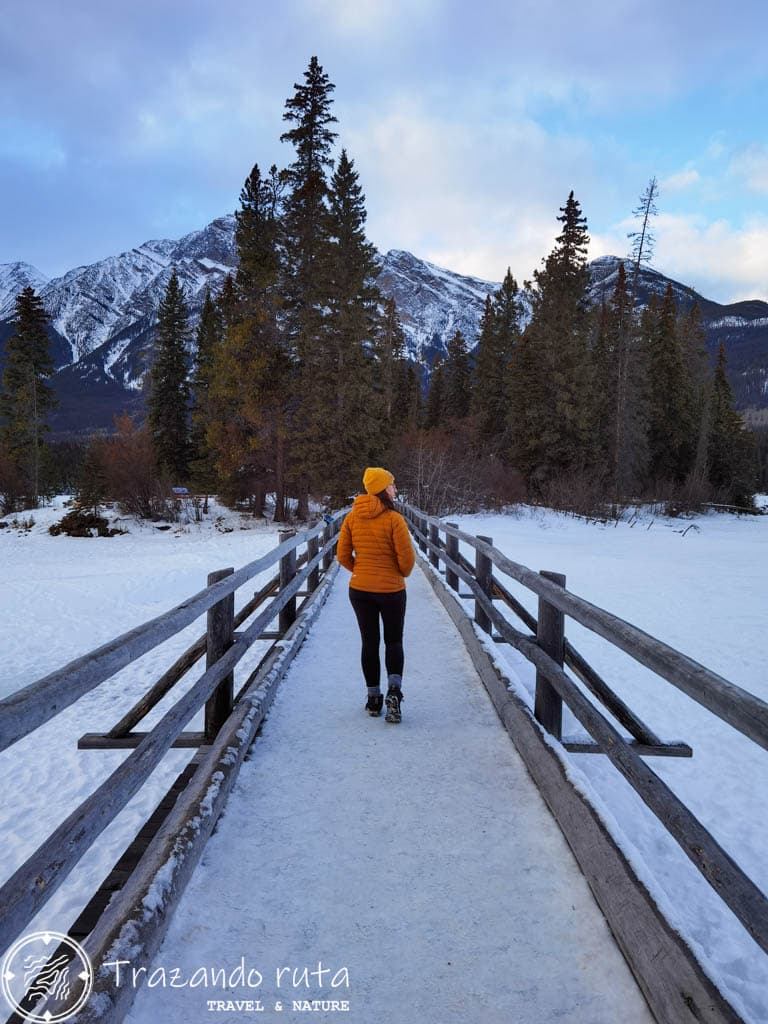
{"x":698,"y":584}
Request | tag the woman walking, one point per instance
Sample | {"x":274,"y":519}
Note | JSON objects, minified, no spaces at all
{"x":375,"y":545}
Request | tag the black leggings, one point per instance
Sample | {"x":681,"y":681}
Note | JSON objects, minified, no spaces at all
{"x":368,"y":607}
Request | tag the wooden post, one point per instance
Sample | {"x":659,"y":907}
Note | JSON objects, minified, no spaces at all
{"x":483,"y":571}
{"x":434,"y":536}
{"x":550,"y":636}
{"x":221,"y":624}
{"x":328,"y":556}
{"x":287,"y":615}
{"x":313,"y":580}
{"x":452,"y":550}
{"x":424,"y":527}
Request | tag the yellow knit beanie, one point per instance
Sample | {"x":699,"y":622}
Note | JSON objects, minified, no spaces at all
{"x":376,"y":479}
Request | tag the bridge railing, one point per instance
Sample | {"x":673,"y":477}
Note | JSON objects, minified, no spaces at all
{"x":35,"y":881}
{"x":548,"y":650}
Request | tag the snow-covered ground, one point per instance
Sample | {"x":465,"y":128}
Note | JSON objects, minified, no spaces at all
{"x":701,"y":585}
{"x":698,"y":584}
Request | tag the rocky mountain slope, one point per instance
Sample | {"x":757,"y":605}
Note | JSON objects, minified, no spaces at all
{"x":103,"y":316}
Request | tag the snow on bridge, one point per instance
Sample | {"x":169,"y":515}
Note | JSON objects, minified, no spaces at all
{"x":401,"y":874}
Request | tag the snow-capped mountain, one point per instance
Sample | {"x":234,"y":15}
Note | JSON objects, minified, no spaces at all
{"x":14,"y":278}
{"x":103,"y":315}
{"x":92,"y":305}
{"x":433,"y":303}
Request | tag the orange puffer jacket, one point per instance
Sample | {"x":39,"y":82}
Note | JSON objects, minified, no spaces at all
{"x":375,"y":545}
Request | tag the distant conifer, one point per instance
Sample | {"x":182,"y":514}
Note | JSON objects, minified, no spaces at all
{"x":168,"y":407}
{"x":732,"y":451}
{"x":25,"y":396}
{"x":551,"y":381}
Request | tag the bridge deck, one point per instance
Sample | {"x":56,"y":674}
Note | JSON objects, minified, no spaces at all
{"x":420,"y":857}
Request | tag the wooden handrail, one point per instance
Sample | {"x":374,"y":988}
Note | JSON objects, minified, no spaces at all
{"x":738,"y":707}
{"x":35,"y":881}
{"x":25,"y":710}
{"x":735,"y":888}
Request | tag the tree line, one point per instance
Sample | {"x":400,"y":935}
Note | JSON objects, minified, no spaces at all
{"x":297,"y":376}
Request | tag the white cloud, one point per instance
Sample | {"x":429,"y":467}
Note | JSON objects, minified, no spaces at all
{"x":681,"y":181}
{"x":476,"y":197}
{"x":352,"y":17}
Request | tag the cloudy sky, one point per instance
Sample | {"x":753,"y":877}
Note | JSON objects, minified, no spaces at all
{"x":469,"y":123}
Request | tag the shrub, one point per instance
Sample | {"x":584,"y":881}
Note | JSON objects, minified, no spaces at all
{"x":81,"y":523}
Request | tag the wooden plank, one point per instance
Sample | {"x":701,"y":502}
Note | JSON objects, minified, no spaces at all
{"x":673,"y":982}
{"x":32,"y":885}
{"x":32,"y":706}
{"x":741,"y":709}
{"x":105,"y":741}
{"x":674,"y":748}
{"x":176,"y":848}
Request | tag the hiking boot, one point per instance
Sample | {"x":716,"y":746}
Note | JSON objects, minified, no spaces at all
{"x":394,"y":697}
{"x":374,"y":705}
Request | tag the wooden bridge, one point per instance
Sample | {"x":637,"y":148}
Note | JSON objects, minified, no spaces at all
{"x":414,"y":874}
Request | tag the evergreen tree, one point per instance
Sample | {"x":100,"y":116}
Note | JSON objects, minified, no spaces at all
{"x":306,"y":208}
{"x":435,"y":411}
{"x":732,"y":450}
{"x":251,"y":373}
{"x":499,"y":334}
{"x":670,"y":419}
{"x":551,"y":390}
{"x":620,"y":392}
{"x":168,"y":407}
{"x":390,"y":351}
{"x":457,"y":376}
{"x":346,"y":414}
{"x":306,"y":246}
{"x":26,"y":398}
{"x":210,"y":334}
{"x":227,"y":302}
{"x":694,"y":348}
{"x":92,"y":483}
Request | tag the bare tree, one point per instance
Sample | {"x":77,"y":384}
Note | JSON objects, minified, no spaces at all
{"x":643,"y":241}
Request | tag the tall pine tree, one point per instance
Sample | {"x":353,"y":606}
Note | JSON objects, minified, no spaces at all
{"x":457,"y":372}
{"x":168,"y":407}
{"x":348,"y":414}
{"x":552,"y":395}
{"x":307,"y":254}
{"x":670,"y":417}
{"x":25,"y":397}
{"x":210,"y":333}
{"x":499,"y":334}
{"x":435,"y":411}
{"x":251,"y":387}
